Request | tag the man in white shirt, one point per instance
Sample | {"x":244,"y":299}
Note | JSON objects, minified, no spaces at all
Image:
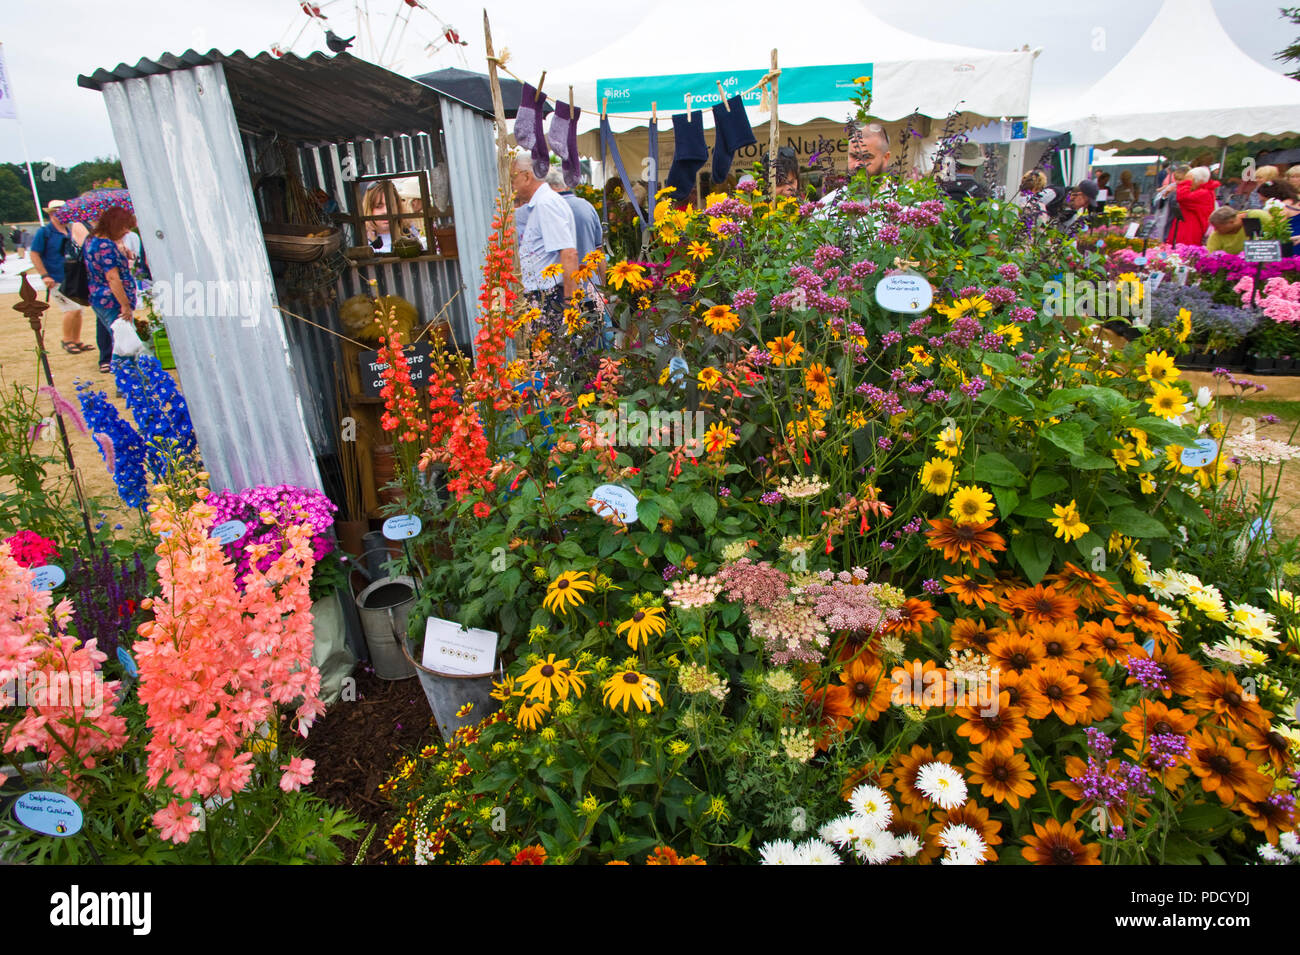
{"x":548,"y":236}
{"x":869,"y":152}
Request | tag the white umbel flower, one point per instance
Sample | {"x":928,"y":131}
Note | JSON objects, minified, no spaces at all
{"x":942,"y":784}
{"x":780,"y":852}
{"x":871,"y":803}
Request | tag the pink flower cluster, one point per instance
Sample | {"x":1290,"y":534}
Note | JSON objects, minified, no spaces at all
{"x":70,"y":711}
{"x":267,"y":511}
{"x":216,"y":660}
{"x":1279,"y":298}
{"x":30,"y":549}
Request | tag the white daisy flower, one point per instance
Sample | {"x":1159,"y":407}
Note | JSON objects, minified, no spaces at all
{"x":843,"y":831}
{"x":871,"y":803}
{"x":877,"y":848}
{"x":780,"y":852}
{"x":908,"y":845}
{"x":958,"y":857}
{"x":962,"y":839}
{"x":942,"y":784}
{"x":1270,"y":854}
{"x":817,"y":852}
{"x":1290,"y":843}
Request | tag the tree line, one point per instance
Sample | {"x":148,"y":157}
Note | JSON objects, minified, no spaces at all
{"x":53,"y":182}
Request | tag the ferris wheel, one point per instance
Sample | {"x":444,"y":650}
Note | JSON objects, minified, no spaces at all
{"x":381,"y":31}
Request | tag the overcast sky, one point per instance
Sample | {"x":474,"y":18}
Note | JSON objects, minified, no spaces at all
{"x":47,"y":43}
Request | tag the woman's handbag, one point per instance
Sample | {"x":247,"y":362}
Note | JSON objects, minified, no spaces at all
{"x":76,"y":281}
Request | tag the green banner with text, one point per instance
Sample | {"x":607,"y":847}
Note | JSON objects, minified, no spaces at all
{"x":798,"y":84}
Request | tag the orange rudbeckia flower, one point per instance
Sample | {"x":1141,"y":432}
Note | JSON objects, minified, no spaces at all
{"x":1056,"y":844}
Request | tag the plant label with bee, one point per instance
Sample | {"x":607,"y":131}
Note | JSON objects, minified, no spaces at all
{"x":906,"y":292}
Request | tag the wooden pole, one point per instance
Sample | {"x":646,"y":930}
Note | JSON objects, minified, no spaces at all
{"x":498,"y":109}
{"x":773,"y":134}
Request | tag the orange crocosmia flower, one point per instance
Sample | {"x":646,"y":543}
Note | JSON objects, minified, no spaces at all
{"x":863,"y":690}
{"x":1056,"y":844}
{"x":1002,"y":725}
{"x":1003,"y":777}
{"x":1104,"y":642}
{"x":1039,"y":604}
{"x":1016,"y":651}
{"x":914,"y":614}
{"x":972,"y":542}
{"x":1062,"y":642}
{"x":1226,"y":703}
{"x":1226,"y":770}
{"x":969,"y":591}
{"x":1061,"y":693}
{"x":977,"y":817}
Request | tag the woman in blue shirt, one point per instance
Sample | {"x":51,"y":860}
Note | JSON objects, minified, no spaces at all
{"x":112,"y":291}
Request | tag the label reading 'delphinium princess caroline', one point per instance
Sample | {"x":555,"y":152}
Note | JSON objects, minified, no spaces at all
{"x":51,"y":814}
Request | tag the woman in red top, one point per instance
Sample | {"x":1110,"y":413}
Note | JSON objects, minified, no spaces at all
{"x":1195,"y":195}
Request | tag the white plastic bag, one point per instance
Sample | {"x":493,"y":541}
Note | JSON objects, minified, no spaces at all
{"x":126,"y":343}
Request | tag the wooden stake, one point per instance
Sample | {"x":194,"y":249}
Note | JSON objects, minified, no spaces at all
{"x":773,"y":134}
{"x":499,"y":109}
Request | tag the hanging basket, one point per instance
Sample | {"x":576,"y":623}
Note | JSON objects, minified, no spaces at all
{"x":300,"y":243}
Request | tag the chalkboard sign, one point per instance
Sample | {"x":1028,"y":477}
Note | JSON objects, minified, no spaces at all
{"x":418,"y":357}
{"x":1262,"y":250}
{"x":1148,"y":228}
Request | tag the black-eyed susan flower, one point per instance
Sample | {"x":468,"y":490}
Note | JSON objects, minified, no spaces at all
{"x":971,"y":505}
{"x":1068,"y":523}
{"x":626,"y":273}
{"x":1159,"y":367}
{"x":566,"y":590}
{"x":1056,"y":844}
{"x":546,"y":677}
{"x":721,"y":318}
{"x":629,"y":686}
{"x":699,"y":251}
{"x":717,"y":438}
{"x":709,"y":378}
{"x":785,"y":350}
{"x":937,"y":475}
{"x":949,"y":442}
{"x":646,"y":622}
{"x":1167,"y":402}
{"x":531,"y":713}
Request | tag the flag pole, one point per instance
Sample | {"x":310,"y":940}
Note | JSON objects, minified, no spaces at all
{"x":6,"y":88}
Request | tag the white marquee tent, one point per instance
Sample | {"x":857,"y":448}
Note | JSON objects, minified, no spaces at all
{"x":911,"y":74}
{"x":1183,"y":82}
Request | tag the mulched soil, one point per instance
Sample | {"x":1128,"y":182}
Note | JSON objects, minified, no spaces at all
{"x":357,"y":743}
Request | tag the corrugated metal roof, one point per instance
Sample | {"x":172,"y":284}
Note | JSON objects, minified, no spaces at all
{"x":314,"y":99}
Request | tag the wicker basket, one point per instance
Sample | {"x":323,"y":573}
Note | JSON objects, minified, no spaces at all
{"x":293,"y":243}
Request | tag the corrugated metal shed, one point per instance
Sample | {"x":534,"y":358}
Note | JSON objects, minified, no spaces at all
{"x":189,"y":129}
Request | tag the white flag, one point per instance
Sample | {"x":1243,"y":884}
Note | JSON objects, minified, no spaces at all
{"x":8,"y":109}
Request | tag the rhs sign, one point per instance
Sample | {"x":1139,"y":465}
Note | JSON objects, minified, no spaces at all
{"x":799,"y":84}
